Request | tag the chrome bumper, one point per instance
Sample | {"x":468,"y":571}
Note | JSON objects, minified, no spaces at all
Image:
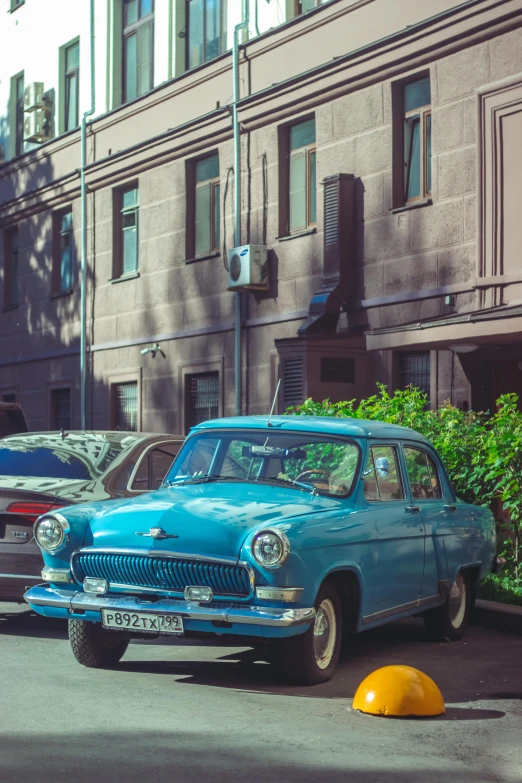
{"x":45,"y":595}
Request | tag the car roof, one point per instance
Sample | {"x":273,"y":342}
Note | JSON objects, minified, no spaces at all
{"x":331,"y":425}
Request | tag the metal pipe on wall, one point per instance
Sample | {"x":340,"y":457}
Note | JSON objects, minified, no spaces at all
{"x":242,"y":25}
{"x":83,"y":262}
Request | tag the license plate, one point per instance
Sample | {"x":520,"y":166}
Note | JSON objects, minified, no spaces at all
{"x":147,"y":622}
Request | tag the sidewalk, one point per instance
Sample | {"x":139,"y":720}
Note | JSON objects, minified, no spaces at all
{"x":505,"y":617}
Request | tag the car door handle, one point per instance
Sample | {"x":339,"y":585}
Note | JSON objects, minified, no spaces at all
{"x":413,"y":509}
{"x":450,"y":507}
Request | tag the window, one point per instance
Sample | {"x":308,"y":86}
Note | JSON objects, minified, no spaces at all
{"x":423,"y":474}
{"x":205,"y":30}
{"x":71,"y":86}
{"x":414,"y":370}
{"x":11,"y":267}
{"x":124,"y":406}
{"x":63,"y":252}
{"x":18,"y":99}
{"x":60,"y":409}
{"x":201,"y":397}
{"x":138,"y":48}
{"x":16,"y":3}
{"x":126,"y":250}
{"x":207,"y":210}
{"x":417,"y":139}
{"x":382,"y":478}
{"x":298,"y":196}
{"x":302,"y":6}
{"x":154,"y":466}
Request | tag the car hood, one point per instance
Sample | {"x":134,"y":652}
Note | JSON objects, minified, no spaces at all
{"x":204,"y":519}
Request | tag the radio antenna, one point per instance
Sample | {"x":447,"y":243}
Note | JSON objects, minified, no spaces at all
{"x":274,"y":403}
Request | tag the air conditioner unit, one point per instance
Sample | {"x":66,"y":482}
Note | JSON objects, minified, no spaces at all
{"x":36,"y":126}
{"x":248,"y":268}
{"x":34,"y":96}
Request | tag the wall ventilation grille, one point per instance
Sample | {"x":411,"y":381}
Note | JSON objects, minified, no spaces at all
{"x":337,"y":370}
{"x":293,"y":381}
{"x":331,"y":213}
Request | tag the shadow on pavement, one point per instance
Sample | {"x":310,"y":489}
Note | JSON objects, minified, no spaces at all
{"x":25,"y":622}
{"x":187,"y":756}
{"x":483,"y":666}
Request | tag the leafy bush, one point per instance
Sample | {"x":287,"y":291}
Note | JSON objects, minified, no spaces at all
{"x":501,"y":588}
{"x":482,"y":452}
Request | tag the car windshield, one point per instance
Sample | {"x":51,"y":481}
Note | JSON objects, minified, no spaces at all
{"x":40,"y":462}
{"x":315,"y":463}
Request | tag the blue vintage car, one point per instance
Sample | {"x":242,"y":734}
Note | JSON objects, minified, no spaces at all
{"x":292,"y":529}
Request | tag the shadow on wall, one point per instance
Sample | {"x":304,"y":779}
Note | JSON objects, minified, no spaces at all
{"x":42,"y":319}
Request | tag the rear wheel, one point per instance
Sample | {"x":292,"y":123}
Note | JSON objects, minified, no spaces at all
{"x":95,"y":646}
{"x":311,"y":657}
{"x":450,"y":620}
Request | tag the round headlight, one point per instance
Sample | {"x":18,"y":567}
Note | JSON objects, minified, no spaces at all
{"x":270,"y":548}
{"x":49,"y":533}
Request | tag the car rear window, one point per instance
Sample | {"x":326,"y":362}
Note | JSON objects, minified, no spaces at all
{"x":40,"y":462}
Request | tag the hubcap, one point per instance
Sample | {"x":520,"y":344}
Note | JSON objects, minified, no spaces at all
{"x":325,"y":633}
{"x":457,"y":602}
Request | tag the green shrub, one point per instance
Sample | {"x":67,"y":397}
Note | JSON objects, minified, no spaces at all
{"x":482,"y":452}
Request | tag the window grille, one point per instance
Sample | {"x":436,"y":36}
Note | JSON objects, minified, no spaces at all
{"x":337,"y":370}
{"x":414,"y":370}
{"x":202,"y":397}
{"x":125,"y":406}
{"x":60,"y":409}
{"x":293,"y":385}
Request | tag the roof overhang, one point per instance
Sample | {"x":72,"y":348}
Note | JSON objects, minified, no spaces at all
{"x":497,"y":326}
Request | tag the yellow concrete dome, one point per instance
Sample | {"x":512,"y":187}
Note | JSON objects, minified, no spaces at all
{"x":400,"y":691}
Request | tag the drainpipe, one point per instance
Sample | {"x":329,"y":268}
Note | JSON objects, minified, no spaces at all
{"x":237,"y":198}
{"x":83,"y":263}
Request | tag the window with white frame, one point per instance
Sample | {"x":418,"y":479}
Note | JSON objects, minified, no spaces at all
{"x":138,"y":48}
{"x":71,"y":86}
{"x":417,"y":139}
{"x":126,"y":231}
{"x":207,"y":207}
{"x":205,"y":23}
{"x":302,"y":207}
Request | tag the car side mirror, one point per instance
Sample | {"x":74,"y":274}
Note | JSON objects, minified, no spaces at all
{"x":382,"y":466}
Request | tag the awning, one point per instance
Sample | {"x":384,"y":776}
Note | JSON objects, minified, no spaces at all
{"x":498,"y":325}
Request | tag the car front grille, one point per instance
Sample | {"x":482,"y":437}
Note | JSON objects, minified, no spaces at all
{"x":161,"y":572}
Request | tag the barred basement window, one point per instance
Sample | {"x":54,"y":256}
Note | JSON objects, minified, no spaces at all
{"x":201,"y":397}
{"x":337,"y":370}
{"x":293,"y":382}
{"x":124,"y":404}
{"x":60,"y":409}
{"x":414,"y":370}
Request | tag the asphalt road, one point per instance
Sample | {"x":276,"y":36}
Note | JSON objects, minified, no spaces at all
{"x":214,"y":712}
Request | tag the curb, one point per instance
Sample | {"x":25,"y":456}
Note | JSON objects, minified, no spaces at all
{"x":505,"y":617}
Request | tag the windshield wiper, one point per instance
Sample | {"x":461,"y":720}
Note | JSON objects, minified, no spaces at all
{"x":206,"y":478}
{"x":300,"y":484}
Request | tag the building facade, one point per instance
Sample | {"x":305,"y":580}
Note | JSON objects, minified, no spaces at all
{"x":381,"y":169}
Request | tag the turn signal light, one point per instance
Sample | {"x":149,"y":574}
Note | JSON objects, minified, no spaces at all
{"x":32,"y":510}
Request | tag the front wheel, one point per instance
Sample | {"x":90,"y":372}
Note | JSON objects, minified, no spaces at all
{"x":95,"y":646}
{"x":449,"y":621}
{"x":311,"y":657}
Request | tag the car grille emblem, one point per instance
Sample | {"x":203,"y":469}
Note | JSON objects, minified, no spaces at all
{"x":157,"y":533}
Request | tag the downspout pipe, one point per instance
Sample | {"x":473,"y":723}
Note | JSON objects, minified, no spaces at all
{"x":83,"y":262}
{"x":242,"y":25}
